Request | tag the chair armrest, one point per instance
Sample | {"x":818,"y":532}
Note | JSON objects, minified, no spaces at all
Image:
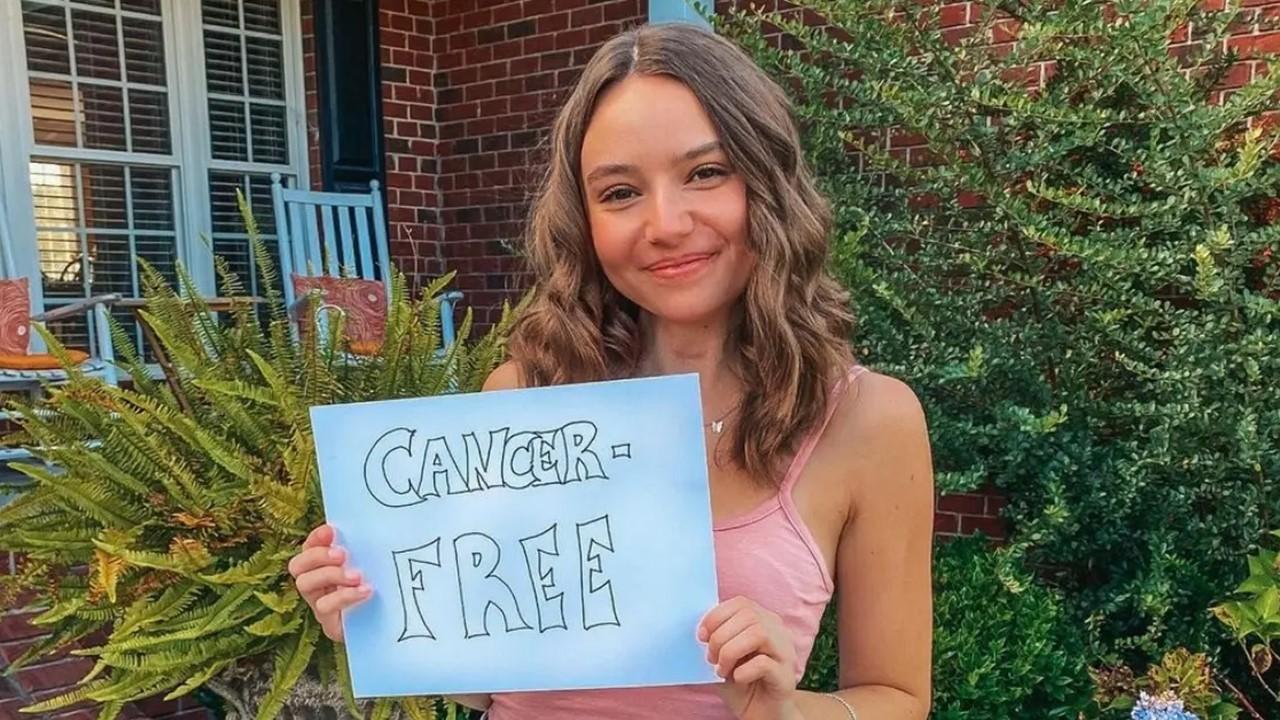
{"x":75,"y":308}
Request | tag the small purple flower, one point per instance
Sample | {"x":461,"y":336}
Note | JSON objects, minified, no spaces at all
{"x":1165,"y":706}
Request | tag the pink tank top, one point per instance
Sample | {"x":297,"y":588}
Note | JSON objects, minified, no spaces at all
{"x":767,"y":555}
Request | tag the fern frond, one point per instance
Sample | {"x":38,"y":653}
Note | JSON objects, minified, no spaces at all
{"x":290,"y":662}
{"x":197,"y":680}
{"x":417,"y":709}
{"x":78,"y":695}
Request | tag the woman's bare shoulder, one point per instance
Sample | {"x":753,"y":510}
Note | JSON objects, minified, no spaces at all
{"x":881,"y":422}
{"x":880,"y":404}
{"x":507,"y":376}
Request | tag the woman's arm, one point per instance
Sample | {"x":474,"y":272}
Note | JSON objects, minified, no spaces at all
{"x":883,"y":561}
{"x":504,"y":377}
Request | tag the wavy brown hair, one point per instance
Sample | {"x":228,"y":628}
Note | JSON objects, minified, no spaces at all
{"x":789,"y":337}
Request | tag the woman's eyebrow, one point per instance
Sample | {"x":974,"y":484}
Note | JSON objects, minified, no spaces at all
{"x":612,"y":169}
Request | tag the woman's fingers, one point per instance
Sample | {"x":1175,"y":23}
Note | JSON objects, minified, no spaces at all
{"x":316,"y":557}
{"x":719,"y":614}
{"x":321,"y":536}
{"x":316,"y":583}
{"x":331,"y":605}
{"x":760,"y":667}
{"x":752,"y":640}
{"x":727,"y":630}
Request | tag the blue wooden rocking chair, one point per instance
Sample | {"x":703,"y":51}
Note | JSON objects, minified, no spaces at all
{"x":349,"y":239}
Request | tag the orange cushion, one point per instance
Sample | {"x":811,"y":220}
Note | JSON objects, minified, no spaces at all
{"x":363,"y":304}
{"x":366,"y":348}
{"x":23,"y":361}
{"x":15,"y":317}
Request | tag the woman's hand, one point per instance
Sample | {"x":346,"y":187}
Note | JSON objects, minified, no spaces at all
{"x":753,"y":651}
{"x":328,"y":586}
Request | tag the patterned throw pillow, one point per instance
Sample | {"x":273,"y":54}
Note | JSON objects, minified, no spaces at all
{"x":362,"y":302}
{"x":15,"y":317}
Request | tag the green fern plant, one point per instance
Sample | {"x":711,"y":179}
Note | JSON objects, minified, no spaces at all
{"x":185,"y":506}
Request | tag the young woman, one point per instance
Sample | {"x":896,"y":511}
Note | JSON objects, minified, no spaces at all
{"x":677,"y":230}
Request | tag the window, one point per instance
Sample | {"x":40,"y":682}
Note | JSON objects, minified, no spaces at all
{"x":136,"y":123}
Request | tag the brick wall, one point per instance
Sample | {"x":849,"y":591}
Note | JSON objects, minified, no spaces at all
{"x":469,"y":90}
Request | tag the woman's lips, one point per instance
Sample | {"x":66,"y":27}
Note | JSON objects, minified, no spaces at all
{"x":682,"y":267}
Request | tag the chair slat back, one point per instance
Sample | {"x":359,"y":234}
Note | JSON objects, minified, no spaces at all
{"x":316,"y":237}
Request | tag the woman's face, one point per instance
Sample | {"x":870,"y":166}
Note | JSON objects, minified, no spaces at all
{"x":668,"y":213}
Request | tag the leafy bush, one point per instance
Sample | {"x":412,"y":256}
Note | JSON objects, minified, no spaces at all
{"x":1252,"y":613}
{"x":185,"y":516}
{"x":1076,"y":267}
{"x":1003,"y":647}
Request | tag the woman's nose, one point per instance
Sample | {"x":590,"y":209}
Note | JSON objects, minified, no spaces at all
{"x":669,"y":216}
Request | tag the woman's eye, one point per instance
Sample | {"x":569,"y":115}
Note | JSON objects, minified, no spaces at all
{"x":709,"y":172}
{"x":618,"y":195}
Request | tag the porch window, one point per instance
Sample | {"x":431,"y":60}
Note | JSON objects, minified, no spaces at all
{"x":137,"y":121}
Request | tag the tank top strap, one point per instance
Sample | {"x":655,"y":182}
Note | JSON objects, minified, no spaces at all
{"x":811,"y":440}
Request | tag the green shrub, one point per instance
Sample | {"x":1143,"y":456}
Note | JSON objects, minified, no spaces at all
{"x":1003,"y":647}
{"x":1252,"y":613}
{"x":185,"y":514}
{"x":1079,"y":277}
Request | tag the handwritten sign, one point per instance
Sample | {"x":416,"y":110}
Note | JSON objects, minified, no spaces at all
{"x":549,"y":538}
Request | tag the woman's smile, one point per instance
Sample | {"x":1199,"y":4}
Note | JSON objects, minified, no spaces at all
{"x":683,"y":267}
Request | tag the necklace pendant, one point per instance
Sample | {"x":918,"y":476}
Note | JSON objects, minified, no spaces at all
{"x":717,"y":426}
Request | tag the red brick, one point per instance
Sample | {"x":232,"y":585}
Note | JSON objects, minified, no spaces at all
{"x":996,"y":504}
{"x":524,"y":66}
{"x":622,"y":11}
{"x":570,"y":39}
{"x":953,"y":15}
{"x":15,"y":626}
{"x":538,"y":7}
{"x":57,"y":674}
{"x":478,"y":19}
{"x":1004,"y":31}
{"x":963,"y":504}
{"x":1254,"y":45}
{"x":586,"y":17}
{"x":394,"y":38}
{"x":9,"y":706}
{"x":598,"y":34}
{"x":403,"y":23}
{"x":507,"y":50}
{"x":1238,"y":75}
{"x":506,"y":13}
{"x":903,"y":138}
{"x":552,"y":23}
{"x":953,"y":36}
{"x":538,"y":43}
{"x":11,"y":651}
{"x":496,"y":106}
{"x":493,"y":71}
{"x":946,"y":523}
{"x":992,"y":527}
{"x":478,"y":55}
